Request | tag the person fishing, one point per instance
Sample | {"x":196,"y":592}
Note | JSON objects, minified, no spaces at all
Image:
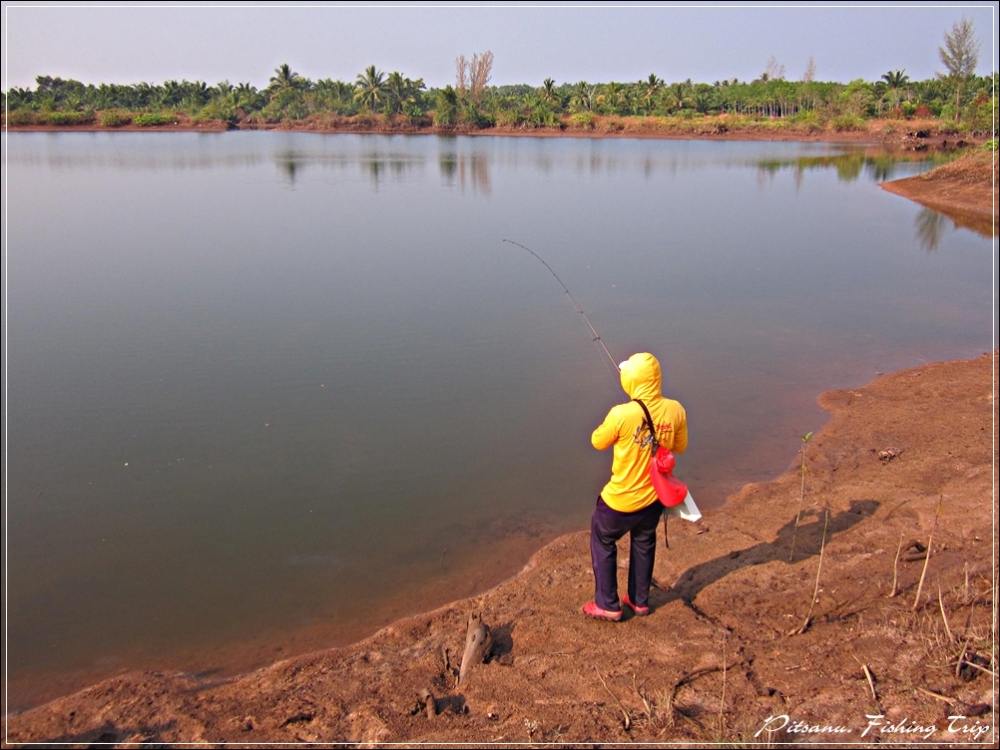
{"x":646,"y":432}
{"x":629,"y":503}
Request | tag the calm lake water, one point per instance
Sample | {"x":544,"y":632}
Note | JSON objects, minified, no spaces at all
{"x":268,"y":391}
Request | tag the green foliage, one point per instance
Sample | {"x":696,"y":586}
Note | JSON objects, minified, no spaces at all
{"x":370,"y":88}
{"x":21,"y":117}
{"x":978,"y":115}
{"x":154,"y":119}
{"x":770,"y":104}
{"x":843,"y":123}
{"x":471,"y":115}
{"x":948,"y":127}
{"x":446,"y":108}
{"x":114,"y":118}
{"x":64,"y":118}
{"x":990,"y":145}
{"x":287,"y":103}
{"x":808,"y":120}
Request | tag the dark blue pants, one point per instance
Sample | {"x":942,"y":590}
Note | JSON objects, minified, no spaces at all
{"x":607,"y":526}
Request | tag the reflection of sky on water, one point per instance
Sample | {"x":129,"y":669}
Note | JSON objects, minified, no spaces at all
{"x":465,"y":162}
{"x":375,"y":156}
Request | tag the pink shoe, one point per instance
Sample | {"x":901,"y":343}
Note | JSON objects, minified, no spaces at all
{"x":639,"y":611}
{"x":590,"y":609}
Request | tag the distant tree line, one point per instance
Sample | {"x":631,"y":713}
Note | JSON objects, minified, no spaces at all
{"x":957,"y":96}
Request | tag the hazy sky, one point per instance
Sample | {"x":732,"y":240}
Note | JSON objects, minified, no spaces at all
{"x":129,"y":44}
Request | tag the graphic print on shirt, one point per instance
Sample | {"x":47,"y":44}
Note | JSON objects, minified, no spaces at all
{"x":642,"y":438}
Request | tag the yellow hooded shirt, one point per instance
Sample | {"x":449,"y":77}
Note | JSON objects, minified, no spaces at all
{"x":630,"y":488}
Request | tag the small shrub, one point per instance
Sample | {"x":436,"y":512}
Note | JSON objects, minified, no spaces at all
{"x":844,"y":123}
{"x":154,"y":119}
{"x":508,"y":118}
{"x":948,"y":127}
{"x":808,"y":120}
{"x":990,"y":145}
{"x":65,"y":118}
{"x":114,"y":119}
{"x":583,"y":120}
{"x":21,"y":117}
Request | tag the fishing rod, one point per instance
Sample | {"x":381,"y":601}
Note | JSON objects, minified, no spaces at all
{"x":579,"y":308}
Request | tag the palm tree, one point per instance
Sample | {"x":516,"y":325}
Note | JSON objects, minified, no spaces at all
{"x":678,"y":96}
{"x":171,"y":93}
{"x":583,"y":96}
{"x":549,"y":91}
{"x":651,"y":87}
{"x":369,"y":89}
{"x":284,"y":77}
{"x":397,"y":91}
{"x":895,"y":80}
{"x":614,"y":97}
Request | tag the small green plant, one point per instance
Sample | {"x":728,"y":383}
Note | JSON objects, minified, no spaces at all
{"x":948,"y":127}
{"x":843,"y":123}
{"x":114,"y":118}
{"x":65,"y":118}
{"x":21,"y":117}
{"x":990,"y":145}
{"x":154,"y":119}
{"x":583,"y":120}
{"x":808,"y":120}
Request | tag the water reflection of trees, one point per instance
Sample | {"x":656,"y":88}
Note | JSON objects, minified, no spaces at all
{"x":849,"y":166}
{"x":468,"y":171}
{"x":379,"y":166}
{"x":375,"y":164}
{"x":930,"y":227}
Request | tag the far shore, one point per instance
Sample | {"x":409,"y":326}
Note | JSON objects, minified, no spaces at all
{"x":909,"y":135}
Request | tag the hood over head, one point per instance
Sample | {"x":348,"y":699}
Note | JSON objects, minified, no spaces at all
{"x":641,"y":376}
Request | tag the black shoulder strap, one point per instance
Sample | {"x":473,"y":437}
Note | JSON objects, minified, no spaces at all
{"x":649,"y":424}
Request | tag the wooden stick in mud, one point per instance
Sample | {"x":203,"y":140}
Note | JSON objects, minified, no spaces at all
{"x":895,"y":568}
{"x":722,"y":704}
{"x":645,"y":703}
{"x":944,"y":617}
{"x":930,"y":541}
{"x":979,"y":667}
{"x":802,"y":491}
{"x":627,"y":720}
{"x":478,"y":641}
{"x":938,"y":696}
{"x":819,"y":568}
{"x":961,"y":656}
{"x":868,"y":676}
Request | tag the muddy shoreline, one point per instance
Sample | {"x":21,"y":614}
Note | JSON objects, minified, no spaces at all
{"x":904,"y":135}
{"x":908,"y":454}
{"x":963,"y":190}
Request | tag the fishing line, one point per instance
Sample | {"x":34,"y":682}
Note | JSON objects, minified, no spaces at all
{"x":579,"y":308}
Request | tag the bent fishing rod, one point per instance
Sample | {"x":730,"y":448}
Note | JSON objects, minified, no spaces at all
{"x":579,"y":308}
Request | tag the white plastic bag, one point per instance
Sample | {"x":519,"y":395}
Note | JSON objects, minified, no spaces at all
{"x":686,"y":510}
